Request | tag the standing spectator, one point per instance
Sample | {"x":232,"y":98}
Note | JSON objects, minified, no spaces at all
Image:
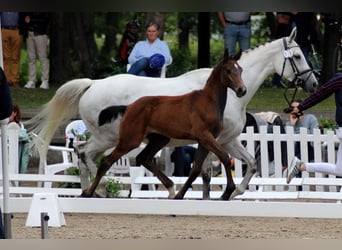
{"x":37,"y":42}
{"x":237,"y":29}
{"x":334,"y":85}
{"x":284,"y":28}
{"x":11,"y":41}
{"x":301,"y":120}
{"x":306,"y":23}
{"x":129,"y":39}
{"x":15,"y":121}
{"x":148,"y":56}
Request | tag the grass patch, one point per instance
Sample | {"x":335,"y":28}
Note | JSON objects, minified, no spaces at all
{"x":273,"y":99}
{"x":32,"y":98}
{"x":264,"y":99}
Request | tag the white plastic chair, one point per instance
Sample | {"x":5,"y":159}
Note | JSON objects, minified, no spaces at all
{"x":76,"y":129}
{"x":69,"y":159}
{"x":73,"y":131}
{"x":163,"y":69}
{"x":120,"y":167}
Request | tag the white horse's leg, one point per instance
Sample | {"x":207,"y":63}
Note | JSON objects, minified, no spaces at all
{"x":88,"y":153}
{"x":237,"y":150}
{"x":206,"y":176}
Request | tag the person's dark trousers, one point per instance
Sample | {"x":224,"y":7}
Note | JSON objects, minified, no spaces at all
{"x":142,"y":68}
{"x":189,"y":156}
{"x":2,"y":232}
{"x":182,"y":157}
{"x":177,"y":157}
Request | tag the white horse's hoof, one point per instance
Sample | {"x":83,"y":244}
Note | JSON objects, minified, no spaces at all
{"x":236,"y":192}
{"x":172,"y":193}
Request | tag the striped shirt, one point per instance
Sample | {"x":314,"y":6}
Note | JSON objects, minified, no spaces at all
{"x":334,"y":85}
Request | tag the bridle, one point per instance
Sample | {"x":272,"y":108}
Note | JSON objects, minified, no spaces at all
{"x":298,"y":81}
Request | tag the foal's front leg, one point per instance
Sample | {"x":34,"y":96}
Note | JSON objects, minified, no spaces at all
{"x":200,"y":155}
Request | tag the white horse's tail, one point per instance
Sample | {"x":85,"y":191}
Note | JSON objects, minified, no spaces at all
{"x":61,"y":108}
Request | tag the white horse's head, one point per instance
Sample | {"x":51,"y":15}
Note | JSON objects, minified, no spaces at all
{"x":293,"y":66}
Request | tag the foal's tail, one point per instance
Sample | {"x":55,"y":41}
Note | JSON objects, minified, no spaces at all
{"x":61,"y":108}
{"x":111,"y":113}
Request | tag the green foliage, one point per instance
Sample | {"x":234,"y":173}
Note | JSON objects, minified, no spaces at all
{"x":71,"y":171}
{"x":99,"y":160}
{"x":327,"y":123}
{"x":113,"y":188}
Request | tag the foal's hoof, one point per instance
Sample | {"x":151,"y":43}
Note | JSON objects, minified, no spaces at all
{"x":85,"y":194}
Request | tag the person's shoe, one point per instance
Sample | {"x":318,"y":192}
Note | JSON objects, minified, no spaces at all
{"x":44,"y":85}
{"x":294,"y":169}
{"x":338,"y":132}
{"x":30,"y":85}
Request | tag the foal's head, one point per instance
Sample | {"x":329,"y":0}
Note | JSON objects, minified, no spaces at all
{"x":231,"y":73}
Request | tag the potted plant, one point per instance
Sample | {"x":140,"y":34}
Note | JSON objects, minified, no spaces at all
{"x":326,"y":124}
{"x":113,"y":188}
{"x":71,"y":171}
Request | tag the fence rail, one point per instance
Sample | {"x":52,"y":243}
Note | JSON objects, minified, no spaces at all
{"x":319,"y":193}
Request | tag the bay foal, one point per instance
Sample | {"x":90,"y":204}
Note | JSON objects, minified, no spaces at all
{"x":194,"y":116}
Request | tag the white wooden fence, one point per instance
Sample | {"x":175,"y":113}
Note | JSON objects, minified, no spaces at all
{"x":268,"y":195}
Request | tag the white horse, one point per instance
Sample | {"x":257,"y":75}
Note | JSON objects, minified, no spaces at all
{"x":89,"y":97}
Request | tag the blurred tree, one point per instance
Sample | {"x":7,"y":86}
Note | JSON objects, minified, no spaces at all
{"x":73,"y":51}
{"x":203,"y":58}
{"x":332,"y":23}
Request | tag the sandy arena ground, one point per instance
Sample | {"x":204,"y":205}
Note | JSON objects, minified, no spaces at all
{"x":109,"y":226}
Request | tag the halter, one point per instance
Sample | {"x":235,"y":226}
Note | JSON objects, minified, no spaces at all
{"x":288,"y":55}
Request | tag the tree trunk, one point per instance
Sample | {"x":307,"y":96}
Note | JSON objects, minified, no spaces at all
{"x":83,"y":43}
{"x":331,"y":37}
{"x":184,"y":25}
{"x":271,"y":23}
{"x":73,"y":51}
{"x":111,"y":29}
{"x":203,"y":59}
{"x":60,"y":59}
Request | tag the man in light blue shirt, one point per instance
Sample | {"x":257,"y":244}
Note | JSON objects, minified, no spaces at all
{"x":143,"y":52}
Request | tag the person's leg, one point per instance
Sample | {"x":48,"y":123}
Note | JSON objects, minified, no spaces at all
{"x":31,"y":52}
{"x":17,"y":41}
{"x":244,"y":36}
{"x":230,"y":38}
{"x":178,"y":159}
{"x":152,"y":72}
{"x":41,"y":42}
{"x":139,"y":67}
{"x":276,"y":81}
{"x":325,"y":167}
{"x":7,"y":52}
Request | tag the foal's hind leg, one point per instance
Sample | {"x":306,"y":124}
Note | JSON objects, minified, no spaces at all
{"x":145,"y":157}
{"x":200,"y":155}
{"x":106,"y":163}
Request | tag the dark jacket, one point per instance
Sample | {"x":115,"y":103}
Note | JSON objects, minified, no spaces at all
{"x":5,"y":97}
{"x":334,"y":85}
{"x":39,"y":23}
